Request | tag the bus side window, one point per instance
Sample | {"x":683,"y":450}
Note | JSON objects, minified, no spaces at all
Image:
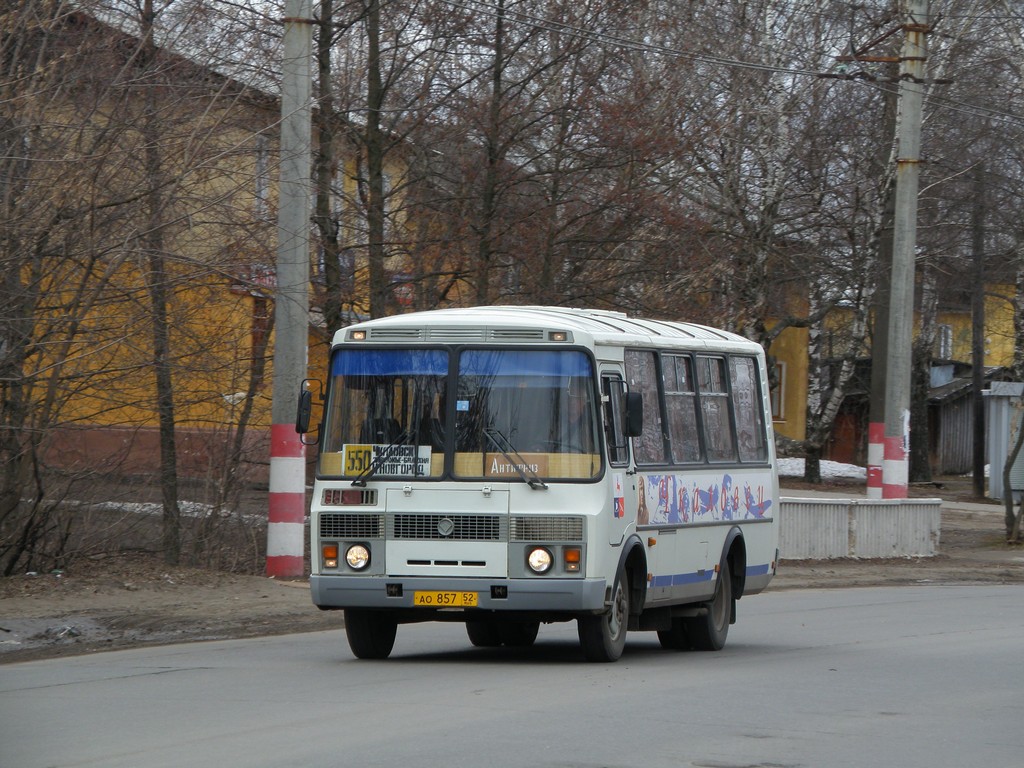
{"x":614,"y":391}
{"x":643,"y":376}
{"x":746,"y":395}
{"x":681,"y":404}
{"x":715,"y":408}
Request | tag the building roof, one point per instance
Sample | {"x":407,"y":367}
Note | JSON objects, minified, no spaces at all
{"x":961,"y":386}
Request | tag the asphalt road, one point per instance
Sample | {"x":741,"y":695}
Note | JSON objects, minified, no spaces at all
{"x":914,"y":676}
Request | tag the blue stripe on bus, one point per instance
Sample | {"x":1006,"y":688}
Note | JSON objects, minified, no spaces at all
{"x":677,"y":579}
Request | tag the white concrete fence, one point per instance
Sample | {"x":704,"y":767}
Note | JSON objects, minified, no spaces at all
{"x":822,"y":528}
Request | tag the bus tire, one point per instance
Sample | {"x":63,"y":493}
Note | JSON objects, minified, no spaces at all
{"x":708,"y":632}
{"x":519,"y":634}
{"x":603,"y":637}
{"x":371,"y":634}
{"x":483,"y":634}
{"x":676,"y":638}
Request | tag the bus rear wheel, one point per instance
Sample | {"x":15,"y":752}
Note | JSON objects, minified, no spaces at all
{"x":708,"y":632}
{"x":371,"y":634}
{"x":603,"y":637}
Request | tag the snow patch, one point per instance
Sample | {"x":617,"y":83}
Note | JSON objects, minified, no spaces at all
{"x":830,"y":470}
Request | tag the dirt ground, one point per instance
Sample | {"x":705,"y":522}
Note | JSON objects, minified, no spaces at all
{"x":133,"y":600}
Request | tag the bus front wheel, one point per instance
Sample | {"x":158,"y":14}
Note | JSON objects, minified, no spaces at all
{"x":519,"y":634}
{"x":603,"y":637}
{"x":708,"y":632}
{"x":371,"y":634}
{"x":492,"y":634}
{"x":675,"y":638}
{"x":483,"y":634}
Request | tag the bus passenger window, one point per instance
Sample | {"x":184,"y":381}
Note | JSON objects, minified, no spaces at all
{"x":714,"y":408}
{"x":746,"y":395}
{"x":681,"y":404}
{"x":642,"y":374}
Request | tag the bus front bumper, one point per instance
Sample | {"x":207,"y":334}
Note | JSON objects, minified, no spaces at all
{"x":544,"y":595}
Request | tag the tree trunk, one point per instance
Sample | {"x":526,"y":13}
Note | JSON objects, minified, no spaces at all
{"x":489,"y":194}
{"x":326,"y":168}
{"x":375,"y":165}
{"x":919,"y":469}
{"x":1018,"y":319}
{"x":1012,"y":520}
{"x":152,"y":242}
{"x":812,"y":465}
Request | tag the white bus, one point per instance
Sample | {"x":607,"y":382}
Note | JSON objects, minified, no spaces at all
{"x":505,"y":467}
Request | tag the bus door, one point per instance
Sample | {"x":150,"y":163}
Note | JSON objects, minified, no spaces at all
{"x":623,"y":497}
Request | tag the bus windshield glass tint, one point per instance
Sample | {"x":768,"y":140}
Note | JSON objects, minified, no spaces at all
{"x":527,"y":411}
{"x":386,"y":411}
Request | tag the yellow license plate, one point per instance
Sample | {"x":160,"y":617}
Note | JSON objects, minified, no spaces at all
{"x":445,"y":599}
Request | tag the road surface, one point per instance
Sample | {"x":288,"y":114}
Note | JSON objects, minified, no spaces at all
{"x":916,"y":676}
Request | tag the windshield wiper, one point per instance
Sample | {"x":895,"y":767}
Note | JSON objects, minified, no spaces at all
{"x":382,"y":457}
{"x":518,"y":463}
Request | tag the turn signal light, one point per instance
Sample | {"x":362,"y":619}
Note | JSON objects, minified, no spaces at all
{"x":330,"y":555}
{"x":572,"y":557}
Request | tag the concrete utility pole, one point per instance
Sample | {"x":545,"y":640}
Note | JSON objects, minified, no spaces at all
{"x":978,"y":333}
{"x":287,"y":502}
{"x":895,"y":464}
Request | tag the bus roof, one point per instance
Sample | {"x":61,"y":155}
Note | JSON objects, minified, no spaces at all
{"x":514,"y":324}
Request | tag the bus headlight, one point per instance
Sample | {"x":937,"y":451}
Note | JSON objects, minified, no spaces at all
{"x":357,"y":556}
{"x":539,"y":560}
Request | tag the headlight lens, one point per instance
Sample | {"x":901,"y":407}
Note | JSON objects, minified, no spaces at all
{"x":357,"y":556}
{"x":539,"y":560}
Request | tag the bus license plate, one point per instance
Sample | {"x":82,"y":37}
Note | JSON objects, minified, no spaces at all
{"x":445,"y":599}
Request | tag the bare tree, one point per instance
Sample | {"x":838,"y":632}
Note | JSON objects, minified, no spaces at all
{"x":118,"y":213}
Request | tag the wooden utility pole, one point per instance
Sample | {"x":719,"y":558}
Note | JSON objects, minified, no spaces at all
{"x":895,"y":464}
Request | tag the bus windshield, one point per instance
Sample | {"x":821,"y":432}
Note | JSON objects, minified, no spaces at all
{"x":517,"y":415}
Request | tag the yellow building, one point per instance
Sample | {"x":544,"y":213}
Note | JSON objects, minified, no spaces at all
{"x":176,"y":166}
{"x":144,"y":180}
{"x":953,"y":343}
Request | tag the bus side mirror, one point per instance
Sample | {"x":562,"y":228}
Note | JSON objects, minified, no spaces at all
{"x":305,"y":409}
{"x":304,"y":414}
{"x":634,"y":414}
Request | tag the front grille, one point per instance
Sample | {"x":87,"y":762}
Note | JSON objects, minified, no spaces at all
{"x":546,"y":528}
{"x":463,"y":527}
{"x":338,"y":526}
